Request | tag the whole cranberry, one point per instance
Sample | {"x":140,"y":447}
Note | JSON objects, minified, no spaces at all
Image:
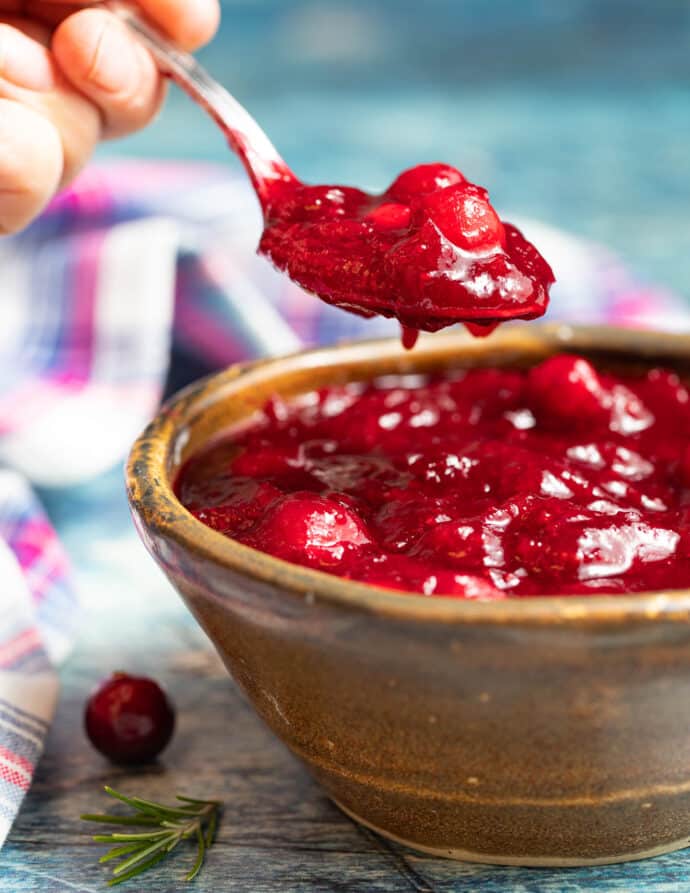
{"x":567,"y":389}
{"x":129,"y":719}
{"x":309,"y":529}
{"x":423,"y":179}
{"x":463,"y":214}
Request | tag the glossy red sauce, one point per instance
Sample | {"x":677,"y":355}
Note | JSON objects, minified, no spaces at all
{"x":486,"y":484}
{"x":430,"y":251}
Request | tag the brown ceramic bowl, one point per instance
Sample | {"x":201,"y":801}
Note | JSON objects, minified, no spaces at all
{"x":544,"y":731}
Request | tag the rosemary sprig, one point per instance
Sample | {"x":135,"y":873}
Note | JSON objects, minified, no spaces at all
{"x":161,"y":828}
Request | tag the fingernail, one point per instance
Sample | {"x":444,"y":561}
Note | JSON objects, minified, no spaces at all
{"x":115,"y":65}
{"x":23,"y":62}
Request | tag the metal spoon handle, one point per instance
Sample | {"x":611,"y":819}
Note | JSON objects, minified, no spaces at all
{"x":258,"y":154}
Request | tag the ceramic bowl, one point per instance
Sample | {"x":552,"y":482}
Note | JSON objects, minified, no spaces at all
{"x":541,"y":731}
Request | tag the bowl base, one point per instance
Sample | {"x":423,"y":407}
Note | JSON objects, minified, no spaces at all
{"x":528,"y":861}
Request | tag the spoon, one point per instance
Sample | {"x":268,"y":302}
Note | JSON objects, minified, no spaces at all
{"x":259,"y":156}
{"x":429,"y":251}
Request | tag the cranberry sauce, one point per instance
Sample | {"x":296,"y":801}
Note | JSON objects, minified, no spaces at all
{"x":485,"y":484}
{"x":430,"y":251}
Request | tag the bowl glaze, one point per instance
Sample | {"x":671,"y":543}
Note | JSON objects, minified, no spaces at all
{"x":540,"y":731}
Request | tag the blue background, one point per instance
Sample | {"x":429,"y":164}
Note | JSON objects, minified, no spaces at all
{"x":573,"y":111}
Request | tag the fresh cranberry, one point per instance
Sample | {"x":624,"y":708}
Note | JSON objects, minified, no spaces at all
{"x":129,"y":719}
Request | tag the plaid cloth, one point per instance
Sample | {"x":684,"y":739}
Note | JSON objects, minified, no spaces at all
{"x":134,"y":256}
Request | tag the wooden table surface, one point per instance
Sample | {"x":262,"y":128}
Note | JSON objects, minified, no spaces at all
{"x":279,"y":832}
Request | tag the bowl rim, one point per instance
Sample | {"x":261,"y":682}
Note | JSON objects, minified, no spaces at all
{"x":153,"y":501}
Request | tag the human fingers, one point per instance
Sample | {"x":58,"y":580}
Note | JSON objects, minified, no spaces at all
{"x":103,"y":61}
{"x":29,"y":76}
{"x":24,"y":61}
{"x":190,"y":23}
{"x":31,"y":164}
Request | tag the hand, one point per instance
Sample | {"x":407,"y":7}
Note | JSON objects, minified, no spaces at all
{"x":70,"y":76}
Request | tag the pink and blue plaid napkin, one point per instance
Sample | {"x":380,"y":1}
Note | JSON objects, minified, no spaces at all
{"x":134,"y":256}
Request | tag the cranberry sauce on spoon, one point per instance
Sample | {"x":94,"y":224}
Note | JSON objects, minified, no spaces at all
{"x":483,"y":484}
{"x":430,"y":251}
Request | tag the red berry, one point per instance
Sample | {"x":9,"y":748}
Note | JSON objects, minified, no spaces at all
{"x":422,"y":179}
{"x":567,"y":387}
{"x":309,"y":529}
{"x":129,"y":719}
{"x":465,"y":217}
